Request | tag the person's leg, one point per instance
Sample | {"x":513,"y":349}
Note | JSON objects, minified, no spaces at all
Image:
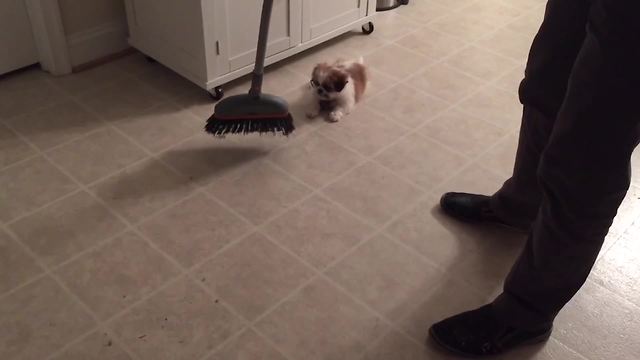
{"x":584,"y":175}
{"x":542,"y":92}
{"x":584,"y":172}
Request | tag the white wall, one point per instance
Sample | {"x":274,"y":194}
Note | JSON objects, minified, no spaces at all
{"x":94,"y":28}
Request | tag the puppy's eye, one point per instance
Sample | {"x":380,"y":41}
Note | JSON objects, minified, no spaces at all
{"x":314,"y":83}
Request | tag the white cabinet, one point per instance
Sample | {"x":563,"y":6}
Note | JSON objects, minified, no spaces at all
{"x":212,"y":42}
{"x":323,"y":16}
{"x":238,"y":31}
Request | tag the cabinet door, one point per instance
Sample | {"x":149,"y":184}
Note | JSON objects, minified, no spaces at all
{"x":17,"y":47}
{"x":322,"y":16}
{"x":237,"y":27}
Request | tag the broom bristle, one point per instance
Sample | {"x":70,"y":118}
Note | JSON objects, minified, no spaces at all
{"x":220,"y":127}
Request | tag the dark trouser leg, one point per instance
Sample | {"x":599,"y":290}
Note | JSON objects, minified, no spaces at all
{"x":542,"y":92}
{"x":584,"y":170}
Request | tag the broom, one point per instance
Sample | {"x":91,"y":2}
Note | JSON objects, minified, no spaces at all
{"x":254,"y":112}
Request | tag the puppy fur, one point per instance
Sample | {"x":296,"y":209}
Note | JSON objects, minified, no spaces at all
{"x":336,"y":88}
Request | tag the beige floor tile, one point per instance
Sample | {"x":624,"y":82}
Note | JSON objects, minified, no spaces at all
{"x":407,"y":105}
{"x":619,"y":268}
{"x":204,"y":158}
{"x":253,"y":275}
{"x":628,"y":212}
{"x":12,"y":148}
{"x":463,"y":133}
{"x":29,"y":185}
{"x":318,"y":231}
{"x":508,"y":43}
{"x":200,"y":104}
{"x":55,"y":125}
{"x":386,"y":276}
{"x":248,"y":346}
{"x":390,"y":26}
{"x":481,"y":63}
{"x":551,"y":350}
{"x":512,"y":79}
{"x":454,"y":4}
{"x":194,"y":229}
{"x":523,"y":5}
{"x":445,"y":82}
{"x":39,"y":319}
{"x":119,"y":100}
{"x":96,"y":346}
{"x":90,"y":79}
{"x":360,"y":44}
{"x":26,"y":91}
{"x":599,"y":325}
{"x":160,"y":127}
{"x":466,"y":26}
{"x":278,"y":79}
{"x":67,"y":227}
{"x":447,"y":298}
{"x":135,"y":63}
{"x":528,"y":24}
{"x":431,"y":43}
{"x":422,"y":161}
{"x":423,"y":11}
{"x":486,"y":268}
{"x":87,"y":161}
{"x":501,"y":157}
{"x":496,"y":12}
{"x":431,"y":233}
{"x":116,"y":275}
{"x":635,"y":167}
{"x":364,"y":130}
{"x":384,"y":60}
{"x":181,"y":322}
{"x":321,"y":322}
{"x":16,"y":266}
{"x":378,"y":82}
{"x":398,"y":347}
{"x":315,"y":159}
{"x":168,"y":82}
{"x":373,"y":192}
{"x":142,"y":189}
{"x":258,"y":193}
{"x":473,"y":179}
{"x":496,"y":106}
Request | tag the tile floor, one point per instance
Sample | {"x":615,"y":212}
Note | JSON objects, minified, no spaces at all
{"x":127,"y":233}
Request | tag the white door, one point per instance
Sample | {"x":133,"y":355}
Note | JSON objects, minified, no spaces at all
{"x":322,"y":16}
{"x":17,"y":47}
{"x":237,"y":30}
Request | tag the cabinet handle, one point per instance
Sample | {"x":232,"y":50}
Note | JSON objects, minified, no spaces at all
{"x":217,"y":47}
{"x":359,"y":3}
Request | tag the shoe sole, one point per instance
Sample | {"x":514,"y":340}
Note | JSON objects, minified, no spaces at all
{"x":466,"y":220}
{"x":533,"y":341}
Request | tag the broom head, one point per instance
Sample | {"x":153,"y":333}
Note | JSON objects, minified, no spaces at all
{"x":248,"y":113}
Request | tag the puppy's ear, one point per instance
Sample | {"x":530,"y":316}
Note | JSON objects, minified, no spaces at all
{"x":340,"y":80}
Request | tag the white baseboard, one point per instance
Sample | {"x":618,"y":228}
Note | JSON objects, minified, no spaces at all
{"x":98,"y":42}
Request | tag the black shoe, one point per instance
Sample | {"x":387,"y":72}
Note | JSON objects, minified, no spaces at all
{"x":480,"y":333}
{"x":473,"y":208}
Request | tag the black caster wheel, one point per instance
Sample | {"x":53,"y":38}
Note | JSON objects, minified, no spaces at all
{"x":217,"y":93}
{"x":368,"y":28}
{"x":150,"y":59}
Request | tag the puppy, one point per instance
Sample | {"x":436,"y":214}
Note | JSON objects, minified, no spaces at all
{"x":337,"y":87}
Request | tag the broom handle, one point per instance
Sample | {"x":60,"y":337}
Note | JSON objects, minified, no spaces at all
{"x":261,"y":52}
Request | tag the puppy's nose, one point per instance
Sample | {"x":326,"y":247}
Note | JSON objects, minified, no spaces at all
{"x":320,"y":91}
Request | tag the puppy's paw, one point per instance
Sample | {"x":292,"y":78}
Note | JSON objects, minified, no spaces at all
{"x":335,"y":116}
